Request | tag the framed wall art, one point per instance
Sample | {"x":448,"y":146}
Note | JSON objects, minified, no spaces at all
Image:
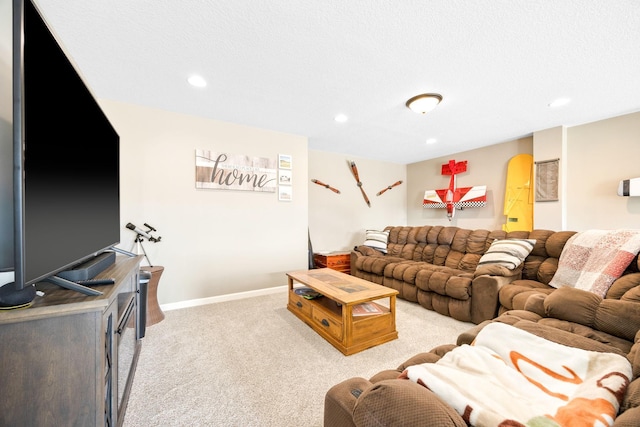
{"x":284,"y":161}
{"x":285,"y":193}
{"x":284,"y":177}
{"x":547,"y":180}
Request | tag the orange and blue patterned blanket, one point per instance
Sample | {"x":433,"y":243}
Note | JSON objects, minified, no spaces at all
{"x":511,"y":377}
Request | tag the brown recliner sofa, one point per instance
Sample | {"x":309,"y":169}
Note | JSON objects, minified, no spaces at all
{"x":567,"y":316}
{"x":437,"y":267}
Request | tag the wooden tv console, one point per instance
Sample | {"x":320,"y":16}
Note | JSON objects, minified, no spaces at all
{"x":60,"y":357}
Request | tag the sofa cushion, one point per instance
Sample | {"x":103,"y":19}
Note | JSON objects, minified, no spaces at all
{"x":377,"y":239}
{"x":376,"y":264}
{"x":573,"y":305}
{"x":632,"y":295}
{"x":542,"y":263}
{"x":630,"y":407}
{"x":621,"y":288}
{"x":609,"y":340}
{"x":553,"y":244}
{"x":509,"y":253}
{"x":514,"y":296}
{"x":609,"y":314}
{"x":444,"y":281}
{"x":546,"y":269}
{"x":586,"y":308}
{"x":573,"y":335}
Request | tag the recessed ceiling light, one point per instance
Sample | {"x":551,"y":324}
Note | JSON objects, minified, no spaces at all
{"x":431,"y":141}
{"x":559,"y":102}
{"x":341,"y":118}
{"x":197,"y":81}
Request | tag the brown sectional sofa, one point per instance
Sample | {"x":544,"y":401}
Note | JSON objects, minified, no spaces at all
{"x":568,"y":316}
{"x":437,"y":267}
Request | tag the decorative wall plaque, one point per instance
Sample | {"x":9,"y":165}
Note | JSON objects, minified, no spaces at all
{"x":225,"y":171}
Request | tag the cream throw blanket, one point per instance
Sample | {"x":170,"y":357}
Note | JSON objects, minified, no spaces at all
{"x":512,"y":377}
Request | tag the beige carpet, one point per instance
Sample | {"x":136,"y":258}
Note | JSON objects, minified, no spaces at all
{"x":251,"y":362}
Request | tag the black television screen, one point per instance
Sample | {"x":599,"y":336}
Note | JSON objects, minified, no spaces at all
{"x":66,"y":158}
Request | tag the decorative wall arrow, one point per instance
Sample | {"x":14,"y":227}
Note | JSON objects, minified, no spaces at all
{"x":395,"y":184}
{"x":335,"y":190}
{"x":354,"y":169}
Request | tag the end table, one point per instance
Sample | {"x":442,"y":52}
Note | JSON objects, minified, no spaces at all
{"x":339,"y":261}
{"x":154,"y":312}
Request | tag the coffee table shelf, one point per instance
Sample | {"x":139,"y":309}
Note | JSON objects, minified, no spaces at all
{"x":331,"y":315}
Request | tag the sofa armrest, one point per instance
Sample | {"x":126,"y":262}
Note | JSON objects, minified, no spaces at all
{"x":340,"y":400}
{"x":367,"y":250}
{"x":418,"y":359}
{"x":361,"y":251}
{"x":393,"y":402}
{"x":469,"y":335}
{"x":498,"y":270}
{"x":401,"y":402}
{"x":484,"y":296}
{"x":432,"y":356}
{"x":385,"y":399}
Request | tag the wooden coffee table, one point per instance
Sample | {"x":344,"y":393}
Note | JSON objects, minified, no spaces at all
{"x":331,"y":315}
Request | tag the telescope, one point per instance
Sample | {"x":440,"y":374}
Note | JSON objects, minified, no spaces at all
{"x":144,"y":234}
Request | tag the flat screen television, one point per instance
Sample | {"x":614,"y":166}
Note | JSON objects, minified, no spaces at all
{"x":66,"y":188}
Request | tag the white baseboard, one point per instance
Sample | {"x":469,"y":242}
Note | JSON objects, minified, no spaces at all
{"x":222,"y":298}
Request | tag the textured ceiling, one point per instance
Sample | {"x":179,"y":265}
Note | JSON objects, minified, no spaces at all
{"x":291,"y":66}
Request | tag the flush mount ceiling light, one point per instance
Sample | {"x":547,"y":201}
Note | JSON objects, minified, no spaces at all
{"x":424,"y":103}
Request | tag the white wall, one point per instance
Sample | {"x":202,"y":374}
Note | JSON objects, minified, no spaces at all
{"x":337,"y":222}
{"x":486,"y":166}
{"x":217,"y":242}
{"x":214,"y":242}
{"x":594,"y":157}
{"x":600,"y":155}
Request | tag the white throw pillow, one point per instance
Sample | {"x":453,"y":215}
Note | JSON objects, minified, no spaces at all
{"x":509,"y":253}
{"x":377,"y":240}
